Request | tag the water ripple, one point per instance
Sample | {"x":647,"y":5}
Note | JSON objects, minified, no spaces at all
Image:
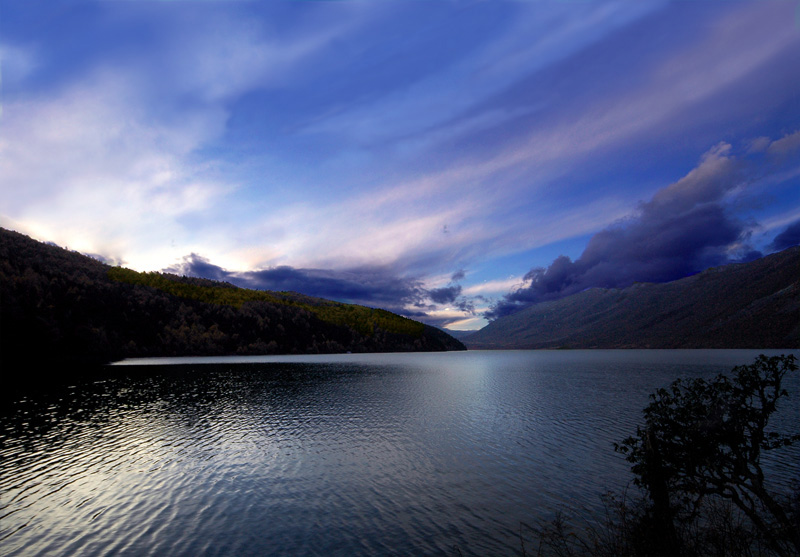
{"x":412,"y":454}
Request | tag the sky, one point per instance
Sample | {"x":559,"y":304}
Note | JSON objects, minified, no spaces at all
{"x":450,"y":160}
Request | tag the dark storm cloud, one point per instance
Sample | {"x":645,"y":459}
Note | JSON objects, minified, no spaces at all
{"x":197,"y":266}
{"x":445,"y":295}
{"x":368,"y":286}
{"x":450,"y":295}
{"x":685,"y":228}
{"x":788,"y":238}
{"x":466,"y":305}
{"x":373,"y":287}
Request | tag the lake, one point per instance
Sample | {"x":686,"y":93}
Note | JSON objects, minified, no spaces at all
{"x":352,"y":454}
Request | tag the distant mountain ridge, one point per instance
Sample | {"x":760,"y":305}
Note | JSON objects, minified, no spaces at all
{"x":60,"y":307}
{"x":746,"y":305}
{"x":460,"y":335}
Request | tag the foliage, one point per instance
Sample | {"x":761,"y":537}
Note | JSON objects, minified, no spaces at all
{"x":626,"y":530}
{"x":59,"y":308}
{"x":705,"y":438}
{"x":698,"y":460}
{"x":612,"y":535}
{"x":365,"y":320}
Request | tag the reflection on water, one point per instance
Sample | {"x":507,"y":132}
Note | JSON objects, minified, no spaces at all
{"x":348,"y":454}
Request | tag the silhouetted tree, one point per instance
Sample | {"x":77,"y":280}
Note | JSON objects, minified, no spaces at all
{"x":704,"y":439}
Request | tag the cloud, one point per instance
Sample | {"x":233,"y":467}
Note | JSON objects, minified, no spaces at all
{"x":118,"y":155}
{"x":376,"y":287}
{"x":215,"y":55}
{"x":685,"y":228}
{"x":440,"y":104}
{"x":785,"y":145}
{"x":373,"y":287}
{"x":451,"y":295}
{"x":492,"y":287}
{"x":665,"y":101}
{"x":88,"y":167}
{"x":445,"y":295}
{"x":788,"y":238}
{"x":379,"y":287}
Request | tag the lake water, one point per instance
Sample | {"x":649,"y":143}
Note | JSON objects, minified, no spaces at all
{"x":408,"y":454}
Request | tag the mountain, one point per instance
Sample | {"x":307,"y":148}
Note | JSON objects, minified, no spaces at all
{"x":747,"y":305}
{"x":60,"y":307}
{"x":461,"y":335}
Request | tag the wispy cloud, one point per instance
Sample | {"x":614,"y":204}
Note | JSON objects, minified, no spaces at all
{"x":109,"y":159}
{"x":533,"y":38}
{"x":88,"y":167}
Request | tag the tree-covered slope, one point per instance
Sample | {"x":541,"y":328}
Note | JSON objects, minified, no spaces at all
{"x":747,"y":305}
{"x":63,"y":307}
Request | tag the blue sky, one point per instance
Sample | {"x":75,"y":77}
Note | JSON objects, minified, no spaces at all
{"x":449,"y":160}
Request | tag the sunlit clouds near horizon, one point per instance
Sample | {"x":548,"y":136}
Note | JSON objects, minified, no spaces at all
{"x":450,"y":161}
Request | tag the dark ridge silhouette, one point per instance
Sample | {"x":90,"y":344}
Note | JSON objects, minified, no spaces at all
{"x":60,"y":308}
{"x":744,"y":305}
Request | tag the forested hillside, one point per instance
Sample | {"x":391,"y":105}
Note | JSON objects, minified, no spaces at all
{"x":60,"y":307}
{"x":746,"y":305}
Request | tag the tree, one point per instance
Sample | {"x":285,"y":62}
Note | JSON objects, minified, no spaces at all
{"x":704,"y":439}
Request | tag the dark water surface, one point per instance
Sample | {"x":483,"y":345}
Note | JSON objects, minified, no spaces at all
{"x":409,"y":454}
